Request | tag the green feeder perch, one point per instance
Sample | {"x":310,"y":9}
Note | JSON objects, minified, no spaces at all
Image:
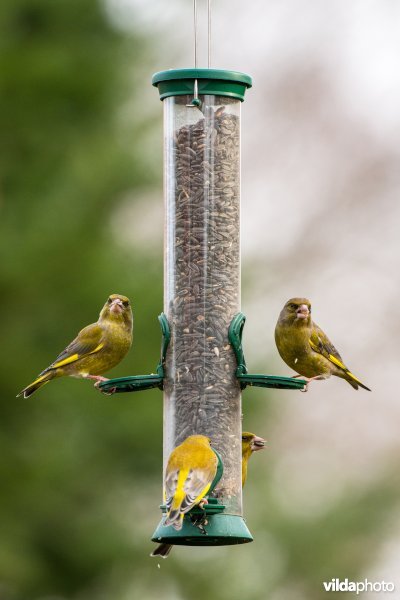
{"x":270,"y":381}
{"x":138,"y":383}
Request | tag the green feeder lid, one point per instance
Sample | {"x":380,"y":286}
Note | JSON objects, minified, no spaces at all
{"x":217,"y":82}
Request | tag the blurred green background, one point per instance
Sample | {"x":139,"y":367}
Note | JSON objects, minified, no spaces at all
{"x":80,"y":473}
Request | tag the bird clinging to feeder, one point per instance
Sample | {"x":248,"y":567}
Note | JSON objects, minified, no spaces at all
{"x":250,"y":443}
{"x":190,"y":471}
{"x":96,"y":349}
{"x":305,"y":348}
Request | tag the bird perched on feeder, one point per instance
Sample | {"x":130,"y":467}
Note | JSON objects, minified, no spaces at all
{"x":250,"y":443}
{"x":305,"y":348}
{"x":96,"y":349}
{"x":190,"y":471}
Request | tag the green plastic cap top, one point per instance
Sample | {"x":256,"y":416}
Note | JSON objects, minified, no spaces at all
{"x":217,"y":82}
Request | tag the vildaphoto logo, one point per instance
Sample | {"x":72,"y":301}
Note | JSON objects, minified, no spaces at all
{"x":335,"y":585}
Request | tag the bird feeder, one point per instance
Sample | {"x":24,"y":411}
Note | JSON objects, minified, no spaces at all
{"x":202,"y":369}
{"x":202,"y":278}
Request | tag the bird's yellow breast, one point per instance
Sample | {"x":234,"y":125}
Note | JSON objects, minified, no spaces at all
{"x":293,"y":345}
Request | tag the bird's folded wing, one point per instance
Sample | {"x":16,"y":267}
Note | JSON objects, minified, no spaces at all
{"x":170,"y":486}
{"x":88,"y":341}
{"x":320,"y":343}
{"x":195,"y":485}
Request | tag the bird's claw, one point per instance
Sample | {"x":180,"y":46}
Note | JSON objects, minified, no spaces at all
{"x":99,"y":379}
{"x":200,"y":522}
{"x":305,"y":388}
{"x":309,"y":379}
{"x":108,"y":392}
{"x":202,"y":503}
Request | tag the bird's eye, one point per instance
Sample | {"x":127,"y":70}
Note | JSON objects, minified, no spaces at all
{"x":126,"y":303}
{"x":309,"y":309}
{"x":294,"y":306}
{"x":109,"y":300}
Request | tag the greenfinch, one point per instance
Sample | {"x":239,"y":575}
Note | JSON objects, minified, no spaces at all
{"x":305,"y":348}
{"x":190,"y":471}
{"x":250,"y":443}
{"x":96,"y":349}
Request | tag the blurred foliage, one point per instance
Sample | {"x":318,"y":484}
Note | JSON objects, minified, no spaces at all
{"x":80,"y":472}
{"x":66,"y":161}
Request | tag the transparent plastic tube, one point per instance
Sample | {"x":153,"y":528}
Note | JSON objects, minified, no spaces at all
{"x":202,"y":279}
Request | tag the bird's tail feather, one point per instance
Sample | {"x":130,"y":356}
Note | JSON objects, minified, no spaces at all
{"x":354,"y":382}
{"x":162,"y":550}
{"x":38,"y":383}
{"x":174,"y":518}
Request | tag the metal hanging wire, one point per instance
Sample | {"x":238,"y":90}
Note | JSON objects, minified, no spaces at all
{"x":196,"y":101}
{"x":195,"y":32}
{"x":209,"y":33}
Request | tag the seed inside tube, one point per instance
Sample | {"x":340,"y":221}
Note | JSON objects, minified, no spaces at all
{"x":202,"y":394}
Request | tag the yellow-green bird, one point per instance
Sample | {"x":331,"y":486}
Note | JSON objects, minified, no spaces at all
{"x":96,"y":349}
{"x":250,"y":443}
{"x":305,"y":348}
{"x":190,"y":471}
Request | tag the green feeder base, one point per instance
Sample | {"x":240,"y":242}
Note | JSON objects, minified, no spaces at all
{"x":218,"y":530}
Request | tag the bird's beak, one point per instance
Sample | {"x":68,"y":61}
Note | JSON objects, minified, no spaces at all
{"x":258,"y":443}
{"x":116,"y":306}
{"x":302,"y":312}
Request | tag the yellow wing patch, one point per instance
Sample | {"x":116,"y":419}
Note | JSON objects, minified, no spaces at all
{"x":355,"y":378}
{"x":75,"y":357}
{"x":179,"y":492}
{"x":203,"y":493}
{"x":66,"y":361}
{"x":38,"y":380}
{"x":337,"y":362}
{"x":330,"y":357}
